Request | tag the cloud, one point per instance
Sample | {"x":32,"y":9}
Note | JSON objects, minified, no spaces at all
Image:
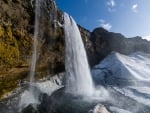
{"x":105,"y":24}
{"x":111,"y":5}
{"x":134,"y":8}
{"x":101,"y":21}
{"x":146,"y":37}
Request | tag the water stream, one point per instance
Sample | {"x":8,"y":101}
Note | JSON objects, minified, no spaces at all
{"x":78,"y":77}
{"x":35,"y":41}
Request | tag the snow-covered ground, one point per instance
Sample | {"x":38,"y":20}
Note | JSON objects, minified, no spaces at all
{"x":146,"y":37}
{"x":140,"y":94}
{"x":132,"y":72}
{"x":135,"y":67}
{"x":118,"y":110}
{"x":31,"y":96}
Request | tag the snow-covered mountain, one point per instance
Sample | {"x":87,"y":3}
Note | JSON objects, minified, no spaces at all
{"x":121,"y":68}
{"x":146,"y":37}
{"x":127,"y":75}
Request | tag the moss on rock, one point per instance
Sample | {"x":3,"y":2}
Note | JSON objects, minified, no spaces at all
{"x":8,"y":48}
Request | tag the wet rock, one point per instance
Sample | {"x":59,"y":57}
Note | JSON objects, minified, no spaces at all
{"x":91,"y":111}
{"x":100,"y":109}
{"x":85,"y":34}
{"x":29,"y":109}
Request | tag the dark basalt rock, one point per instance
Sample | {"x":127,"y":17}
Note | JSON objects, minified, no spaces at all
{"x":105,"y":42}
{"x":62,"y":102}
{"x":30,"y":109}
{"x":85,"y":34}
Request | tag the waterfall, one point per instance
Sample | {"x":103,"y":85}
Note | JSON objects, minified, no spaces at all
{"x":78,"y":75}
{"x":35,"y":41}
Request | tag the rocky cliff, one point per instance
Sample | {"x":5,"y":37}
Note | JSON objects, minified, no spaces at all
{"x":16,"y":35}
{"x":105,"y":42}
{"x":16,"y":41}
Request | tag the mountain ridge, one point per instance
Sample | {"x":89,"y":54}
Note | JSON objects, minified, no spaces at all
{"x":123,"y":69}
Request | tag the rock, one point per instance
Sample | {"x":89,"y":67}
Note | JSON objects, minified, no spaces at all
{"x":29,"y":109}
{"x":16,"y":39}
{"x":105,"y":42}
{"x":16,"y":36}
{"x":99,"y":108}
{"x":85,"y":34}
{"x":91,"y":111}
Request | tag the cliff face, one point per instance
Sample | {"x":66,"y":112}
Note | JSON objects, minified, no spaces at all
{"x":16,"y":34}
{"x":105,"y":42}
{"x":16,"y":41}
{"x":16,"y":29}
{"x":85,"y":34}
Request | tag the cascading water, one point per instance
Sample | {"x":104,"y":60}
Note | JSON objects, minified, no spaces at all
{"x":78,"y":75}
{"x":35,"y":43}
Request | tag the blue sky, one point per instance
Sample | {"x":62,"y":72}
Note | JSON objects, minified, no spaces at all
{"x":129,"y":17}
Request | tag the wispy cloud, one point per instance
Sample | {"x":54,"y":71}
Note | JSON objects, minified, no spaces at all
{"x":111,"y":5}
{"x":104,"y":24}
{"x":146,"y":37}
{"x":134,"y":8}
{"x":101,"y":21}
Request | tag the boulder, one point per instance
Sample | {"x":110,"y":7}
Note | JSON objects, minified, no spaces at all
{"x":29,"y":109}
{"x":99,"y":108}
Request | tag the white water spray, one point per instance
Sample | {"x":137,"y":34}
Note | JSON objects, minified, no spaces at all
{"x":35,"y":43}
{"x":78,"y":75}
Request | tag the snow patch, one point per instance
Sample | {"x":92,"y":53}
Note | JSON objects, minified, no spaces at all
{"x":27,"y":98}
{"x":133,"y":67}
{"x":32,"y":96}
{"x":146,"y":37}
{"x":118,"y":110}
{"x":140,"y":94}
{"x":47,"y":87}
